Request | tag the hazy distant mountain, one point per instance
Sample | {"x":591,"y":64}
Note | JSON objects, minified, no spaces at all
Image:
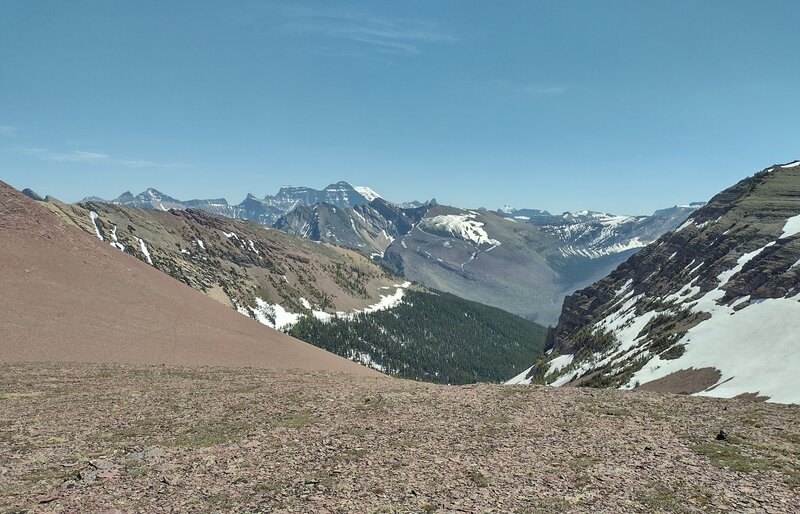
{"x":710,"y":308}
{"x":368,"y":228}
{"x":261,"y":210}
{"x":522,"y":261}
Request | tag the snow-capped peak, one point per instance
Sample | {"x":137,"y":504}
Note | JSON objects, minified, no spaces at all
{"x":367,"y":193}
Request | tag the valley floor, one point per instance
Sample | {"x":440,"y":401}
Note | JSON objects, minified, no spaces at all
{"x":88,"y":438}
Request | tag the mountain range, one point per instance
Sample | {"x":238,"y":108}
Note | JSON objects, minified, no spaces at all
{"x":539,"y":257}
{"x":327,"y":295}
{"x":710,"y":308}
{"x":264,"y":210}
{"x":696,"y":305}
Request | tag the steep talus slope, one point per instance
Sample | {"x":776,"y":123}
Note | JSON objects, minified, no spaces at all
{"x":313,"y":290}
{"x":720,"y":295}
{"x":522,"y":263}
{"x":69,"y":297}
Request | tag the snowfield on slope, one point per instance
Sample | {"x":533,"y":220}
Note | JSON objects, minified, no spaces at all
{"x":726,"y":342}
{"x":462,"y":226}
{"x":276,"y":316}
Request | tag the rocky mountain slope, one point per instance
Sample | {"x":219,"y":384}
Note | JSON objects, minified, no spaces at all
{"x":523,"y":263}
{"x":68,"y":297}
{"x":280,"y":280}
{"x":710,"y":308}
{"x":369,"y":228}
{"x":261,"y":210}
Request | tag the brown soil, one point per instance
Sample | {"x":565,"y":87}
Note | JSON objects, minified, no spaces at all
{"x":67,"y":296}
{"x":685,"y":381}
{"x":109,"y":438}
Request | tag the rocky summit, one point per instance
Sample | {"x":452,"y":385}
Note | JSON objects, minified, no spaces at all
{"x":705,"y":309}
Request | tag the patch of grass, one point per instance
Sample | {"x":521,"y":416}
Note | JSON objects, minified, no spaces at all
{"x":267,"y":487}
{"x":661,"y":499}
{"x":203,"y":436}
{"x":583,"y":461}
{"x":404,"y":442}
{"x":190,"y":375}
{"x":348,"y":455}
{"x":322,"y":480}
{"x":372,"y":403}
{"x":477,"y":478}
{"x":137,"y":471}
{"x":547,"y":506}
{"x":614,"y":411}
{"x":20,"y":396}
{"x":497,"y":419}
{"x":18,"y":442}
{"x":385,"y":509}
{"x":51,"y":474}
{"x":297,"y":420}
{"x":728,"y":455}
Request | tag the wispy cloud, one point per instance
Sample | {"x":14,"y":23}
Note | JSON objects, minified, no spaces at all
{"x":515,"y":91}
{"x":93,"y":157}
{"x":363,"y":33}
{"x":8,"y":131}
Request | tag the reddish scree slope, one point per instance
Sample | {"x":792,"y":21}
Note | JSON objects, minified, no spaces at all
{"x":68,"y":297}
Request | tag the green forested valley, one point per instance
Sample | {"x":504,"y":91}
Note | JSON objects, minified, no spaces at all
{"x":432,"y":336}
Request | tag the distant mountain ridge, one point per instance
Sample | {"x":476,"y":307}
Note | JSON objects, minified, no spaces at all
{"x":709,"y":308}
{"x":523,"y":263}
{"x":265,"y":211}
{"x":539,"y":257}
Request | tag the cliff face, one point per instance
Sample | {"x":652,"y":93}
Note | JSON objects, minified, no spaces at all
{"x":713,"y":295}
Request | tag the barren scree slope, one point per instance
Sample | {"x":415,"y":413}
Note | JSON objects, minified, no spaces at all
{"x":124,"y":439}
{"x":68,"y":297}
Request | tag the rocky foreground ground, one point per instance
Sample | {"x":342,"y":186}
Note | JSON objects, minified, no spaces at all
{"x":81,"y":438}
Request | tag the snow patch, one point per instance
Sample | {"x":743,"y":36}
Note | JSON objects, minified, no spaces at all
{"x":520,"y":379}
{"x":145,"y":251}
{"x":93,"y":216}
{"x":463,"y":226}
{"x":686,"y":224}
{"x":791,"y":227}
{"x":559,"y":363}
{"x":116,"y":243}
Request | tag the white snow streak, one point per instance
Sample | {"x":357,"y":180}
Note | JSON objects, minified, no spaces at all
{"x":93,"y":215}
{"x":145,"y":251}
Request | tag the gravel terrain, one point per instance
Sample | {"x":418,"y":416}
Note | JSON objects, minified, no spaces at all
{"x":113,"y":438}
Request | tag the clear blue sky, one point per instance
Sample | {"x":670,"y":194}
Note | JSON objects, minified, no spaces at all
{"x":621,"y":106}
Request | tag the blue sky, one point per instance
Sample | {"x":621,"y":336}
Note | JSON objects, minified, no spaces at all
{"x":621,"y":106}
